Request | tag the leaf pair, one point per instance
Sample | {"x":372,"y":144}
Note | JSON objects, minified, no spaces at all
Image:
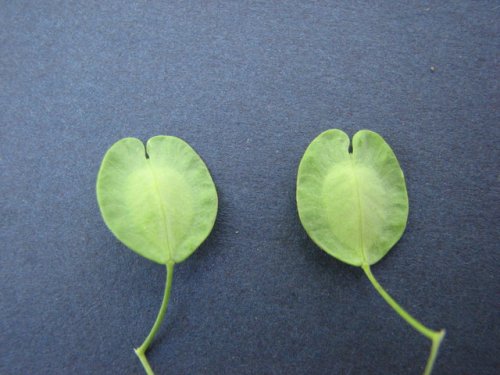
{"x":161,"y":202}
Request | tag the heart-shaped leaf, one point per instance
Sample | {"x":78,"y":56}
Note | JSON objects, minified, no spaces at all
{"x":160,"y":201}
{"x":353,"y":205}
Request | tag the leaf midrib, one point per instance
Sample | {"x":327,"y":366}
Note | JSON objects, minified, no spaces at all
{"x":360,"y":211}
{"x":163,"y":209}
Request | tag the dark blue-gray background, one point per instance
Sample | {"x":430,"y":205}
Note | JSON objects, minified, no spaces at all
{"x":248,"y":84}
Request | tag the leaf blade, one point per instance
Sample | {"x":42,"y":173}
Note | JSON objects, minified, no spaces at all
{"x":353,"y":205}
{"x":162,"y":206}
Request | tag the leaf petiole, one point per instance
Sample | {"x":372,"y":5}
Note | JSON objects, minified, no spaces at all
{"x":435,"y":336}
{"x":141,"y":350}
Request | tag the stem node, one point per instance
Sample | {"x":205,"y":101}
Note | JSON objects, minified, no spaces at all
{"x":436,"y":337}
{"x":141,"y":350}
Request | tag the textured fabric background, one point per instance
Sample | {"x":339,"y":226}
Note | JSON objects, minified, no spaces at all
{"x":248,"y":84}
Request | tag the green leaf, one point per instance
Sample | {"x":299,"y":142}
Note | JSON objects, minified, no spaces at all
{"x":160,"y":201}
{"x":353,"y":205}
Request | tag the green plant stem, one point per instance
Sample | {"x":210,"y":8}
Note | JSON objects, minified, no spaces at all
{"x":435,"y":336}
{"x":141,"y":350}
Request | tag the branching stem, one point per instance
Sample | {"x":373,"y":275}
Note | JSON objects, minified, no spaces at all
{"x":435,"y":336}
{"x":141,"y":350}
